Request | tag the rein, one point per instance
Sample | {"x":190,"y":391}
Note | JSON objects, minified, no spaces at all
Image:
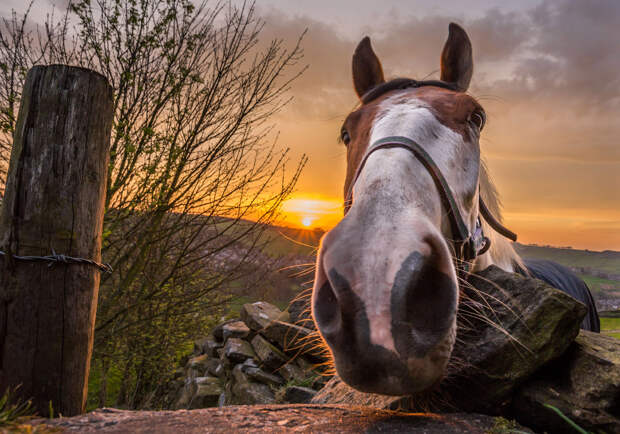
{"x":467,"y":245}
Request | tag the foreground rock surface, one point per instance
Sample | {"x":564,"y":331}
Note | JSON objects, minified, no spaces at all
{"x":584,"y":385}
{"x":278,"y":418}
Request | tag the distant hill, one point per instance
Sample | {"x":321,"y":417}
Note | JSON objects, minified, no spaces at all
{"x":600,"y":270}
{"x":293,"y":241}
{"x":286,"y":240}
{"x":607,"y":261}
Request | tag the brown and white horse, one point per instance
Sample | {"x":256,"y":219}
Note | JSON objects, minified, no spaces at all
{"x":386,"y":287}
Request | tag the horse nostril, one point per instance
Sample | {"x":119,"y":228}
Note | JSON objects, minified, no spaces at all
{"x":424,"y":302}
{"x":327,"y":309}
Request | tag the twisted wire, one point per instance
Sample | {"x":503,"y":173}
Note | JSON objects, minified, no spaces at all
{"x":55,"y":258}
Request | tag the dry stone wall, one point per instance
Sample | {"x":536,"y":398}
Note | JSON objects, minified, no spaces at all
{"x":263,"y":357}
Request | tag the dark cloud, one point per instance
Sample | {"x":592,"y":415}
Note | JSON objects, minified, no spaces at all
{"x":498,"y":35}
{"x":575,"y":54}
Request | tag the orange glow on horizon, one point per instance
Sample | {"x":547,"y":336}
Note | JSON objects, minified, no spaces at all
{"x":569,"y":228}
{"x":312,"y":211}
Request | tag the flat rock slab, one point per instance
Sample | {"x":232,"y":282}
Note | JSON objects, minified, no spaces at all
{"x":276,"y":418}
{"x":585,"y":386}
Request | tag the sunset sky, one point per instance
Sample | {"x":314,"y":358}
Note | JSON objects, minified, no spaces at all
{"x":547,"y":73}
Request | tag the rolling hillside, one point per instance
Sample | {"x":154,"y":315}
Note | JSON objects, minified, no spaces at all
{"x":607,"y":261}
{"x":605,"y":266}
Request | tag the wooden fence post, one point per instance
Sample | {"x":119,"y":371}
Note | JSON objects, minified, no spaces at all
{"x":54,"y":201}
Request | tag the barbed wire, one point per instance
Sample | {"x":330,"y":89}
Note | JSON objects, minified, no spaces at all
{"x":55,"y":258}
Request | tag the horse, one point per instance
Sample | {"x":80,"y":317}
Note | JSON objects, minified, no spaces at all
{"x":421,"y":213}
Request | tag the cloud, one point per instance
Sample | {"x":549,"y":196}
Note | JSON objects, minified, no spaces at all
{"x":548,"y":76}
{"x":582,"y":39}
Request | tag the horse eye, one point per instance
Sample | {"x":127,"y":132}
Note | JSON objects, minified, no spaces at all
{"x":478,"y":119}
{"x":344,"y":135}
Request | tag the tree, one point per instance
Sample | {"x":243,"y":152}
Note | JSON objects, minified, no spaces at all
{"x":195,"y":175}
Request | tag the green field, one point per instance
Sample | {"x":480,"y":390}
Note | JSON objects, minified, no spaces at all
{"x":597,"y":284}
{"x":611,"y":327}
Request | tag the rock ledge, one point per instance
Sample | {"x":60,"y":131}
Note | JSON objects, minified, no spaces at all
{"x":278,"y":418}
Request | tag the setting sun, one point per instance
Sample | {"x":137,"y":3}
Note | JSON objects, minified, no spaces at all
{"x":312,"y":211}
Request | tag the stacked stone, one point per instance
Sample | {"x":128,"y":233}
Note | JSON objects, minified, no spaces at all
{"x":263,"y":357}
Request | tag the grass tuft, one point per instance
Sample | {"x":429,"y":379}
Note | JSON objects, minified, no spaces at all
{"x":566,"y":419}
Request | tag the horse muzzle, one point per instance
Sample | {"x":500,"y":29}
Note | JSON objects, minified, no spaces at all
{"x":389,"y":319}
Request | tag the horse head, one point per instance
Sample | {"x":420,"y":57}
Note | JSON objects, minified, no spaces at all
{"x":386,"y":288}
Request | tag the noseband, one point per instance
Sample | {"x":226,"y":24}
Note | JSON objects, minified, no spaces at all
{"x":467,"y":245}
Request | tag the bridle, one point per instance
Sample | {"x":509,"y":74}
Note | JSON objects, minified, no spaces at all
{"x":467,"y":244}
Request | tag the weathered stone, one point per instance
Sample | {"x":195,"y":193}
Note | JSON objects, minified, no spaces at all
{"x":213,"y":366}
{"x":238,"y":375}
{"x":250,"y":363}
{"x":219,"y":371}
{"x":198,"y":363}
{"x":300,"y":312}
{"x":207,"y":346}
{"x":193,"y":373}
{"x":208,"y":391}
{"x":182,"y":399}
{"x":218,"y":331}
{"x":226,"y":363}
{"x":292,"y":372}
{"x":306,"y":365}
{"x":261,"y":376}
{"x":269,"y":355}
{"x":584,"y":384}
{"x":245,"y":391}
{"x":260,"y":314}
{"x":237,"y":350}
{"x":185,"y":394}
{"x":298,"y":394}
{"x":196,"y":366}
{"x":509,"y":326}
{"x":293,"y":339}
{"x":252,"y":393}
{"x":236,"y":329}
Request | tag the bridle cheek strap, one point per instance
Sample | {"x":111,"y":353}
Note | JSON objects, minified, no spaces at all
{"x":467,"y":245}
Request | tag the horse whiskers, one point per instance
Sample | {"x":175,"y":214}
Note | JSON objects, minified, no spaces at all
{"x":490,"y":282}
{"x":306,"y":264}
{"x":483,"y":295}
{"x":486,"y":294}
{"x":499,"y":328}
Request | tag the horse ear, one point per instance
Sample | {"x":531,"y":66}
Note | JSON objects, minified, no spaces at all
{"x":367,"y":70}
{"x":457,"y":65}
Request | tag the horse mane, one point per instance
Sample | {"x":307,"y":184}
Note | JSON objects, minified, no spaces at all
{"x":502,"y":251}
